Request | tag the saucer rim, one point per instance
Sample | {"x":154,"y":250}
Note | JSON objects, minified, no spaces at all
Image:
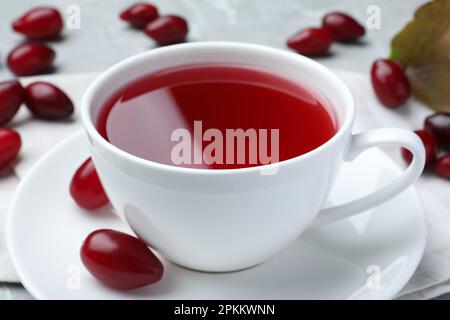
{"x":391,"y":293}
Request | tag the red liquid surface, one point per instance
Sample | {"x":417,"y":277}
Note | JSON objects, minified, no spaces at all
{"x":141,"y":117}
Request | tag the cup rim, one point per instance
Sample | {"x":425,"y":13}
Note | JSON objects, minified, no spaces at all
{"x":124,"y":65}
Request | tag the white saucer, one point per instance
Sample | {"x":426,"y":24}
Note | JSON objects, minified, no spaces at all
{"x":46,"y":229}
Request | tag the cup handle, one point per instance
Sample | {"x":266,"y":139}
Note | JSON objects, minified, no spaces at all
{"x":366,"y":140}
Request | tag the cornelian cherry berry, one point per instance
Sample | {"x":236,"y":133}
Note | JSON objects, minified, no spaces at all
{"x":439,"y":125}
{"x":430,"y":144}
{"x":10,"y":144}
{"x":46,"y":101}
{"x":11,"y":97}
{"x":139,"y":14}
{"x":343,"y":27}
{"x":442,"y":166}
{"x":390,"y":83}
{"x":43,"y":23}
{"x":311,"y":42}
{"x":86,"y":188}
{"x":168,"y":30}
{"x":30,"y":59}
{"x":119,"y":260}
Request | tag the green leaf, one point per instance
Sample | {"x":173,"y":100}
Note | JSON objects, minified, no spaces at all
{"x":423,"y":46}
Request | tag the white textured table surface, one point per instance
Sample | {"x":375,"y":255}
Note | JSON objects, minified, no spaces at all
{"x":104,"y":40}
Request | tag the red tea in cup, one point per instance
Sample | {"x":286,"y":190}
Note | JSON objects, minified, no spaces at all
{"x":216,"y":116}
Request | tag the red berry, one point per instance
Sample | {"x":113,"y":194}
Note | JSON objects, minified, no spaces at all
{"x":43,"y":23}
{"x":390,"y":83}
{"x":86,"y":188}
{"x":47,"y":101}
{"x":439,"y":125}
{"x":11,"y":97}
{"x":430,"y":144}
{"x":442,"y":166}
{"x":139,"y":14}
{"x":167,"y":30}
{"x":30,"y":59}
{"x":311,"y":42}
{"x":119,"y":260}
{"x":343,"y":27}
{"x":10,"y":144}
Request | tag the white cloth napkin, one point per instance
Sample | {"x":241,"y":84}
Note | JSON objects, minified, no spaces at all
{"x":433,"y":275}
{"x":37,"y":138}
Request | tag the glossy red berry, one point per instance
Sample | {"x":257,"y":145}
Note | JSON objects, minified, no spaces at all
{"x":11,"y":97}
{"x":311,"y":42}
{"x":430,"y":144}
{"x":168,"y":30}
{"x":30,"y":59}
{"x":46,"y":101}
{"x":43,"y":23}
{"x":442,"y":166}
{"x":10,"y":144}
{"x":390,"y":83}
{"x":86,"y":188}
{"x":439,"y":125}
{"x":343,"y":27}
{"x":139,"y":14}
{"x":119,"y":260}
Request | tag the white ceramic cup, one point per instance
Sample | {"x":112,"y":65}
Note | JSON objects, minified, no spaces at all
{"x":225,"y":220}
